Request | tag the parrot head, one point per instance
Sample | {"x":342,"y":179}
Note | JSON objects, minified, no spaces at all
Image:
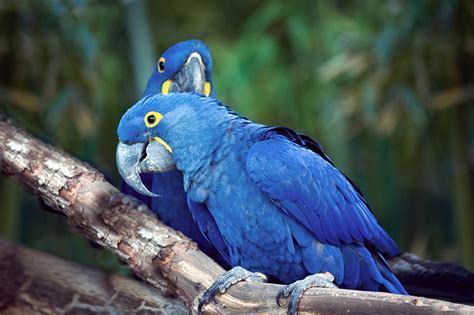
{"x":148,"y":126}
{"x":184,"y":67}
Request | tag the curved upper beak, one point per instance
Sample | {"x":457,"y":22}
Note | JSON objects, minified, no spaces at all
{"x":191,"y":77}
{"x":136,"y":158}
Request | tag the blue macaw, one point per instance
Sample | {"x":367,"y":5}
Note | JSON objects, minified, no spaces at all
{"x":267,"y":198}
{"x":187,"y":67}
{"x":184,"y":67}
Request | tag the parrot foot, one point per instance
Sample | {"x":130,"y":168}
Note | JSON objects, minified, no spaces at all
{"x":225,"y":281}
{"x":296,"y":289}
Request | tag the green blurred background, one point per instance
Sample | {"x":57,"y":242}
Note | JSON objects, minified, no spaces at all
{"x":387,"y":87}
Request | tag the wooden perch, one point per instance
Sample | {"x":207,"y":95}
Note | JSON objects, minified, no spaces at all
{"x":34,"y":282}
{"x":156,"y":253}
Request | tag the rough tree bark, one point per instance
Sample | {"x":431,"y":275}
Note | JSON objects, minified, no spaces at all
{"x":156,"y":253}
{"x":34,"y":282}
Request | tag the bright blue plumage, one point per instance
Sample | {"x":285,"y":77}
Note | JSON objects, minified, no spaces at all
{"x":267,"y":198}
{"x":172,"y":207}
{"x":175,"y":57}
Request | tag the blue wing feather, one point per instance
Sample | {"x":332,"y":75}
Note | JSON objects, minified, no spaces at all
{"x":326,"y":203}
{"x":208,"y":227}
{"x":310,"y":189}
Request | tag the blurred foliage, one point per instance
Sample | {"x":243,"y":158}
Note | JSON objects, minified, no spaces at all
{"x":386,"y":87}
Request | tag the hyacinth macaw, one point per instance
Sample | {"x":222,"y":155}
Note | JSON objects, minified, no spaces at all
{"x":187,"y":67}
{"x":267,"y":198}
{"x":184,"y":67}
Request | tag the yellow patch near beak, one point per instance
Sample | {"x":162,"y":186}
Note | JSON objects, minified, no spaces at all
{"x":207,"y":88}
{"x":163,"y":143}
{"x":166,"y":87}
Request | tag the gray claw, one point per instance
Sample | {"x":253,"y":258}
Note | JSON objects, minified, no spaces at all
{"x":296,"y":289}
{"x":225,"y":281}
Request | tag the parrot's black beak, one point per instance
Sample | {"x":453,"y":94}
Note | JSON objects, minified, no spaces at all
{"x":191,"y":77}
{"x":136,"y":158}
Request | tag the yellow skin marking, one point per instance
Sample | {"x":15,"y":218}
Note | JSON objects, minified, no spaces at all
{"x":166,"y":87}
{"x":163,"y":143}
{"x":207,"y":88}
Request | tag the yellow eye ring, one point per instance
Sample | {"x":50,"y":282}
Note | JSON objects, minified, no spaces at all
{"x":152,"y":119}
{"x":161,"y":65}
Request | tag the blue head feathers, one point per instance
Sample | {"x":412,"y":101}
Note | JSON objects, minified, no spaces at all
{"x":141,"y":122}
{"x":184,"y":67}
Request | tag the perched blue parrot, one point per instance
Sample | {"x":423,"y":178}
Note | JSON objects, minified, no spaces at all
{"x":187,"y":67}
{"x":184,"y":67}
{"x":267,"y":198}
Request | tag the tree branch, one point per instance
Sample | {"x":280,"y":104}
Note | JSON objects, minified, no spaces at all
{"x":31,"y":281}
{"x":163,"y":257}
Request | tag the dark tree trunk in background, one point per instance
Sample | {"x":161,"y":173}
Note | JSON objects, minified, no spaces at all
{"x":463,"y":188}
{"x":141,"y":43}
{"x":32,"y":282}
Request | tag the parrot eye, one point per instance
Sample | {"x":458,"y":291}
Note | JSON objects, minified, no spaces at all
{"x":152,"y":119}
{"x":161,"y":65}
